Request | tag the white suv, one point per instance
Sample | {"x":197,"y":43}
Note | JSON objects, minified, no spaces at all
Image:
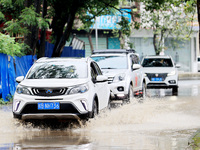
{"x":61,"y":88}
{"x":160,"y":72}
{"x":123,"y":70}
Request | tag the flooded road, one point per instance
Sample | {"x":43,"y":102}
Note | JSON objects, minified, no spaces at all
{"x":160,"y":122}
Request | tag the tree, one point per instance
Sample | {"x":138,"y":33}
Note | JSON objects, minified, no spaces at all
{"x":167,"y":18}
{"x":22,"y":17}
{"x":65,"y":12}
{"x":9,"y":46}
{"x":27,"y":18}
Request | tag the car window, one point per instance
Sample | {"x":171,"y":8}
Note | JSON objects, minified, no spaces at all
{"x":198,"y":58}
{"x":135,"y":59}
{"x":111,"y":62}
{"x":94,"y":72}
{"x":97,"y":68}
{"x":64,"y":69}
{"x":157,"y":62}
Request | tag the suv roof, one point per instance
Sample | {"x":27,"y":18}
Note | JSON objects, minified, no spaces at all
{"x":113,"y":51}
{"x":46,"y":59}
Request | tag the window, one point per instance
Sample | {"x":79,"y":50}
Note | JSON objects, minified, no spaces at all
{"x":111,"y":62}
{"x":157,"y":62}
{"x":58,"y":69}
{"x":94,"y":72}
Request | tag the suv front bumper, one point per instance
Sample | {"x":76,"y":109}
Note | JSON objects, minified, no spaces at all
{"x":169,"y":82}
{"x":119,"y":90}
{"x":73,"y":106}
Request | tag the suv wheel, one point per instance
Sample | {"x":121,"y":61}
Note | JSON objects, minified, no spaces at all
{"x":94,"y":110}
{"x":143,"y":90}
{"x":130,"y":95}
{"x":109,"y":104}
{"x":175,"y":91}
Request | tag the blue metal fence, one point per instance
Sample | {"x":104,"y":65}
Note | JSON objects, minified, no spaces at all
{"x":67,"y":51}
{"x":10,"y":68}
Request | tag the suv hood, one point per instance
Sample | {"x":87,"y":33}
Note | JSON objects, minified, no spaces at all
{"x":158,"y":69}
{"x":112,"y":72}
{"x":52,"y":82}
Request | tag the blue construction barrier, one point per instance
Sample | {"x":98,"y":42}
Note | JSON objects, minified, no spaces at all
{"x":67,"y":51}
{"x":10,"y":68}
{"x":4,"y":76}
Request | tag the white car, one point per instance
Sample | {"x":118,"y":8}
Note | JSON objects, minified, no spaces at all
{"x":125,"y":76}
{"x":61,"y":88}
{"x":161,"y":73}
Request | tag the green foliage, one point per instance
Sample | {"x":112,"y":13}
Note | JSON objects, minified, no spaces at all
{"x":8,"y":97}
{"x":2,"y":102}
{"x":28,"y":17}
{"x":14,"y":27}
{"x":125,"y":26}
{"x":9,"y":46}
{"x":1,"y":16}
{"x":168,"y":17}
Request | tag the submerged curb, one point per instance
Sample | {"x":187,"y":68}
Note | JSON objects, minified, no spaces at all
{"x":189,"y":76}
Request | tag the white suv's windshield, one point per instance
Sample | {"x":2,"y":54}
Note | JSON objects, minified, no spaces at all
{"x":111,"y":62}
{"x":157,"y":62}
{"x":63,"y":69}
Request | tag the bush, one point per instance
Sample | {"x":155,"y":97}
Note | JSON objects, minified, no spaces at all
{"x":9,"y":46}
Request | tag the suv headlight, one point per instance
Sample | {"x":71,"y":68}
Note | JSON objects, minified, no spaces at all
{"x":119,"y":77}
{"x":171,"y":73}
{"x":78,"y":89}
{"x":23,"y":90}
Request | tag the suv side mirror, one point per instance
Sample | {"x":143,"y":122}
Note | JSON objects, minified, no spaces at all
{"x":178,"y":66}
{"x":136,"y":66}
{"x":101,"y":78}
{"x":19,"y":79}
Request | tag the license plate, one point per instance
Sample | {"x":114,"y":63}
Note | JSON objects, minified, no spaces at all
{"x":49,"y":106}
{"x":156,"y":79}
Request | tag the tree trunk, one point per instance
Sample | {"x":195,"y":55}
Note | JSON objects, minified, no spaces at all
{"x":154,"y":44}
{"x":31,"y":38}
{"x":90,"y":41}
{"x":61,"y":43}
{"x":35,"y":29}
{"x":43,"y":32}
{"x":27,"y":37}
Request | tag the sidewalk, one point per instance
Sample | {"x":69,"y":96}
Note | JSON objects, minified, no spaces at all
{"x":189,"y":76}
{"x":194,"y":140}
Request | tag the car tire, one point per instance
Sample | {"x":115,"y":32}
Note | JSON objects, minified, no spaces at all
{"x":143,"y":90}
{"x":130,"y":95}
{"x":109,"y":103}
{"x":94,"y":110}
{"x":175,"y":91}
{"x":17,"y":116}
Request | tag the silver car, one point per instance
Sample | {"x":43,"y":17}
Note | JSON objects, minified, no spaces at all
{"x":123,"y":69}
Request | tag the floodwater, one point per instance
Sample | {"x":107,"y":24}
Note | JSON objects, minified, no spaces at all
{"x":160,"y":122}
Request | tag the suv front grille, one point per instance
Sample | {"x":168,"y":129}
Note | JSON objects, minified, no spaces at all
{"x":156,"y":75}
{"x":49,"y":91}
